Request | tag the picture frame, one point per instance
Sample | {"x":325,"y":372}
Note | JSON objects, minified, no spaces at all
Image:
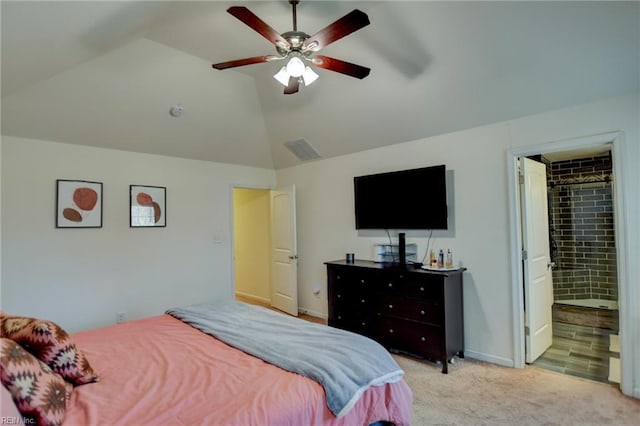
{"x":147,"y":206}
{"x":78,"y":204}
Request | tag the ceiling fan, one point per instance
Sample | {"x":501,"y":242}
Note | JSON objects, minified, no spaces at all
{"x":299,"y":47}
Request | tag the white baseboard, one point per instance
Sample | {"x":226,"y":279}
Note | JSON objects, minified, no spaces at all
{"x":253,"y":297}
{"x":312,"y":313}
{"x":614,"y":370}
{"x":614,"y":343}
{"x":505,"y":362}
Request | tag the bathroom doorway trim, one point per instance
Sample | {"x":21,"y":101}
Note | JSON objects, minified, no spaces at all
{"x":628,"y":294}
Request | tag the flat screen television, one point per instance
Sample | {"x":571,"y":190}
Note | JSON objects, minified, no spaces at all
{"x":405,"y":199}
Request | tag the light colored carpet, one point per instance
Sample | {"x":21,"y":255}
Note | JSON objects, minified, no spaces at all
{"x":478,"y":393}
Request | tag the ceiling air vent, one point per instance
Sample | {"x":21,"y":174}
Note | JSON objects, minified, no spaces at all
{"x":302,"y":149}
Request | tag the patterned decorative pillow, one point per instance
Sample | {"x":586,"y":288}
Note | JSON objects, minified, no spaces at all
{"x":50,"y":344}
{"x":8,"y":409}
{"x":38,"y":392}
{"x":3,"y":316}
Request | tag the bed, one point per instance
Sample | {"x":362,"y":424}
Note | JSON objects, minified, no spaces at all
{"x":164,"y":370}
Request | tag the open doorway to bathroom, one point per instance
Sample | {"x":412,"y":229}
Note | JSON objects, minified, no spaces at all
{"x":582,"y":240}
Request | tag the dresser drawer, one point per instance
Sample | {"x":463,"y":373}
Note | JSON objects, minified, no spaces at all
{"x":424,"y":287}
{"x":421,"y":339}
{"x":392,"y":284}
{"x":356,"y":302}
{"x":355,"y":280}
{"x":357,"y":322}
{"x":418,"y":310}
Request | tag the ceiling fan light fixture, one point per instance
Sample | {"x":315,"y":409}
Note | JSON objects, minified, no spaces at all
{"x":309,"y":76}
{"x":282,"y":76}
{"x":295,"y":67}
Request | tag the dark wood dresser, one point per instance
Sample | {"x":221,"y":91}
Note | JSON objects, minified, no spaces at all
{"x":408,"y":310}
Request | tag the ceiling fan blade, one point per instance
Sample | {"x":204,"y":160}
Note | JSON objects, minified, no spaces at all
{"x":294,"y":85}
{"x":342,"y":67}
{"x":245,"y":61}
{"x":344,"y":26}
{"x":258,"y":25}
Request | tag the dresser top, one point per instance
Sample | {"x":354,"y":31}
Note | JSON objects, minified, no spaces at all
{"x":370,"y":264}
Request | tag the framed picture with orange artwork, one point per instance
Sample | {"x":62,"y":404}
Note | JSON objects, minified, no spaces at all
{"x":78,"y":204}
{"x":148,"y":206}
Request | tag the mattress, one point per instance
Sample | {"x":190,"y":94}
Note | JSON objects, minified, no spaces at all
{"x":161,"y":371}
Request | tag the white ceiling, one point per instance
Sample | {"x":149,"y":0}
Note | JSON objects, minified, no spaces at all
{"x":106,"y":73}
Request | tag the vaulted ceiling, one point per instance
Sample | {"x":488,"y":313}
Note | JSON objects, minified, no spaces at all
{"x":106,"y":74}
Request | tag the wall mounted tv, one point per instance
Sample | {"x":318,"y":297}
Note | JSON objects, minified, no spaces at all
{"x":405,"y":199}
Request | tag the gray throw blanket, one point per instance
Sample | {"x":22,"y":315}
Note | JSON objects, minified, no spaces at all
{"x":345,"y":364}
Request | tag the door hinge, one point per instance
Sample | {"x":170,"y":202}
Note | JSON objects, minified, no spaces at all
{"x":524,"y":255}
{"x":526,"y":330}
{"x":521,"y":179}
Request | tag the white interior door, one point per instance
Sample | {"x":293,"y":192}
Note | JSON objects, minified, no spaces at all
{"x":538,"y":284}
{"x":284,"y":258}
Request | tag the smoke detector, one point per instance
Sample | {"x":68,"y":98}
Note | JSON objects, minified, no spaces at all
{"x":176,"y":111}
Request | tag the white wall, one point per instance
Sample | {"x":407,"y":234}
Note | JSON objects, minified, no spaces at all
{"x":1,"y":225}
{"x":478,"y":216}
{"x":82,"y":277}
{"x":477,"y":163}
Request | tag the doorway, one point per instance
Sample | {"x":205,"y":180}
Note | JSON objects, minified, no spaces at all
{"x":252,"y":243}
{"x":265,"y":261}
{"x":584,"y":273}
{"x":614,"y":142}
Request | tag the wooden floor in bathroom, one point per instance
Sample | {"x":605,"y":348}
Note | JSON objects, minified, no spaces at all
{"x":593,"y":317}
{"x":579,"y":350}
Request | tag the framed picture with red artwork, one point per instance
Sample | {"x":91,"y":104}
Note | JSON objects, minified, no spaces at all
{"x":78,"y":204}
{"x":148,"y":206}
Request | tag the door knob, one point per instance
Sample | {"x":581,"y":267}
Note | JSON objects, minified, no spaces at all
{"x":551,"y":265}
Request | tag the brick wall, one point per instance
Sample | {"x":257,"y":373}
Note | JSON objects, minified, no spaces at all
{"x":581,"y":210}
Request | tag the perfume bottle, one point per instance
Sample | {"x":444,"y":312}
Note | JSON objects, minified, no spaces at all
{"x":440,"y":259}
{"x":449,"y":262}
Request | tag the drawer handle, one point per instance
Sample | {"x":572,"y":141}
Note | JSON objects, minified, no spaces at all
{"x":390,"y":284}
{"x":339,"y":317}
{"x":339,"y":296}
{"x":364,"y":323}
{"x":390,"y":306}
{"x":337,"y":277}
{"x":421,"y":288}
{"x":424,"y":339}
{"x":391,"y":331}
{"x":421,"y":312}
{"x":362,"y":281}
{"x":363,"y":301}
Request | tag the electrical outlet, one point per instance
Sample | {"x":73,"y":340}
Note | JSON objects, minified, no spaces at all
{"x":121,"y":317}
{"x":316,"y":290}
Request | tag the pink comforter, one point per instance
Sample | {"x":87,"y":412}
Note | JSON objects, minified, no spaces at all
{"x":160,"y":371}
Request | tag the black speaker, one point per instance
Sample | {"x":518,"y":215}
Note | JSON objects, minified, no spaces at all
{"x":402,"y":249}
